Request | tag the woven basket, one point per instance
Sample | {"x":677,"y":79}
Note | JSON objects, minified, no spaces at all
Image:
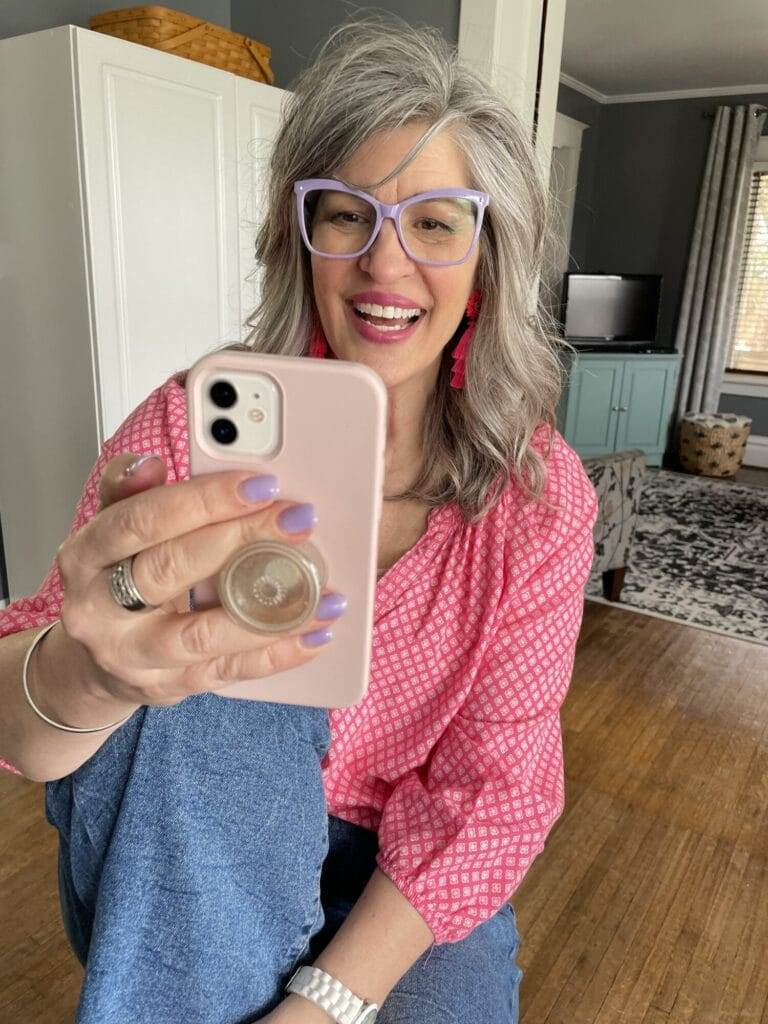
{"x":713,"y":443}
{"x":185,"y":36}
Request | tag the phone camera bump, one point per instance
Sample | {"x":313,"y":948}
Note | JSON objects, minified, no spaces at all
{"x":224,"y":431}
{"x":223,"y":394}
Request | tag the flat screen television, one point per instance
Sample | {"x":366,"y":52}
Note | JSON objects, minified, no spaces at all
{"x":610,"y":307}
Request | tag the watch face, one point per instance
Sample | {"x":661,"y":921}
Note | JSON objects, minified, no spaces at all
{"x":368,"y":1016}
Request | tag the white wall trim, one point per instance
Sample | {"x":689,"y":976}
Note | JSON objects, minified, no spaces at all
{"x":756,"y":452}
{"x":587,"y":90}
{"x":503,"y":44}
{"x":671,"y":94}
{"x":501,"y":39}
{"x":563,"y":179}
{"x":744,"y":384}
{"x":552,"y":47}
{"x":568,"y":131}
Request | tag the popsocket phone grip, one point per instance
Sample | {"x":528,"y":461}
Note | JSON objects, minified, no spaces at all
{"x":272,"y":587}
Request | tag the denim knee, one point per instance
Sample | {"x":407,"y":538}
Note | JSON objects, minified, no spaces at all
{"x":198,"y":848}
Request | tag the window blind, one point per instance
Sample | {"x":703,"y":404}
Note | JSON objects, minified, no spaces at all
{"x":749,"y":349}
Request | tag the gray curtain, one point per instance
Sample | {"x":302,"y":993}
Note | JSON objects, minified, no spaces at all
{"x":708,"y":305}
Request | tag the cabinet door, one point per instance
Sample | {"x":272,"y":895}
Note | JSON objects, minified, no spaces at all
{"x":645,"y":400}
{"x":594,"y":388}
{"x":157,"y":140}
{"x":258,"y":119}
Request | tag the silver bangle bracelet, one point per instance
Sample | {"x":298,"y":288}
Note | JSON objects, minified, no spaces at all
{"x":38,"y":712}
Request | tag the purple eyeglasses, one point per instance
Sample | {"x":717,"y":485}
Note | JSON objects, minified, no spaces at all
{"x":440,"y":228}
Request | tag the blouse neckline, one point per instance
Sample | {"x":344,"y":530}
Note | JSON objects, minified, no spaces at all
{"x":442,"y":522}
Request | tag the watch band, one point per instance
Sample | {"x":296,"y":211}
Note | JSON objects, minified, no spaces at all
{"x":327,"y":992}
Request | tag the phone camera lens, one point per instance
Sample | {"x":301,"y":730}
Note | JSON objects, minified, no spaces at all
{"x":224,"y":431}
{"x":223,"y":394}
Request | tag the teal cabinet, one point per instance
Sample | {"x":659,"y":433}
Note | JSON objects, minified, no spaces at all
{"x":613,"y":401}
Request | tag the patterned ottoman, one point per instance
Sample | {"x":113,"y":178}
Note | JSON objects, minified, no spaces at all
{"x":713,"y":443}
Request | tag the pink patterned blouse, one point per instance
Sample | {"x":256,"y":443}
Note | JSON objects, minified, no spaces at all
{"x":454,"y":756}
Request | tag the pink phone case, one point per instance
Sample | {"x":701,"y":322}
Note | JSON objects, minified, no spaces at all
{"x":332,"y":454}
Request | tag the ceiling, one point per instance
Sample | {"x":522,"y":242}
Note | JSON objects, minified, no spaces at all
{"x":625,"y":47}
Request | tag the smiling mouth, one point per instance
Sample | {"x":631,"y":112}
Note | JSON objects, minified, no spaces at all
{"x":392,"y":323}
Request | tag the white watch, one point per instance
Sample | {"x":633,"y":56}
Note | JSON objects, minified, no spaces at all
{"x":339,"y":1002}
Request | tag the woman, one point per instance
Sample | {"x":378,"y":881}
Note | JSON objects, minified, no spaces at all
{"x":208,"y":847}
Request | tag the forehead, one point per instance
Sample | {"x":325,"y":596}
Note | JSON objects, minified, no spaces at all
{"x":440,"y":164}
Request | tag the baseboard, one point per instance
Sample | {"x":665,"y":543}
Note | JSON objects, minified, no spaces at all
{"x":756,"y":454}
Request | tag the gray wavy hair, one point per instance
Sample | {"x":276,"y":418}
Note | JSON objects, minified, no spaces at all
{"x":381,"y":73}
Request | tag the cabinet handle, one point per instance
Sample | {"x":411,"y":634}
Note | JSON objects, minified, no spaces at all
{"x":619,"y":408}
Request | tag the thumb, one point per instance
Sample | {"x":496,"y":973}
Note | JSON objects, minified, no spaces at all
{"x":129,"y":474}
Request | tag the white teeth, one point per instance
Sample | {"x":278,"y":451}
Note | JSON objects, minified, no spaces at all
{"x":390,"y":312}
{"x":387,"y":327}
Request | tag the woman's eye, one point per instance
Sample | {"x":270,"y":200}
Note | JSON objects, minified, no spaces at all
{"x":433,"y":225}
{"x":347,"y":217}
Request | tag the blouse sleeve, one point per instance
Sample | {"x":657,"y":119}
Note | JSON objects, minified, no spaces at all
{"x":458,"y":834}
{"x":133,"y":435}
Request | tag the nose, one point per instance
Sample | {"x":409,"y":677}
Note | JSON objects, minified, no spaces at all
{"x":386,"y":260}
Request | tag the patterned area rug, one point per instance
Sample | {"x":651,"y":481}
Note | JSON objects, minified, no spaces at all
{"x":699,"y":555}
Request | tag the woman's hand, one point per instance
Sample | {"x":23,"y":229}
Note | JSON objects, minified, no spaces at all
{"x":180,"y":534}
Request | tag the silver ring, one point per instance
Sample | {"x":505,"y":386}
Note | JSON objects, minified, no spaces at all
{"x":124,"y":590}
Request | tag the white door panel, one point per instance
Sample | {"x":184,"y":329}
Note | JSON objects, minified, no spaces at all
{"x":258,"y":119}
{"x":158,"y":145}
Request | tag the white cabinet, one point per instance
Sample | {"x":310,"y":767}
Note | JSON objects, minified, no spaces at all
{"x":131,"y":186}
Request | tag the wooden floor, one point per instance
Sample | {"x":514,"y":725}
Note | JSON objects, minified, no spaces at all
{"x":649,"y":904}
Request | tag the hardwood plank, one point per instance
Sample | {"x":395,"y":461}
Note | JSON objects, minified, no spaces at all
{"x":673,"y":978}
{"x":655,"y":1016}
{"x":639,"y":979}
{"x":680,"y":736}
{"x":741,"y":944}
{"x":706,"y":973}
{"x":604,"y":888}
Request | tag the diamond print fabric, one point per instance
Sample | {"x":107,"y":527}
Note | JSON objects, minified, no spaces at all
{"x":454,"y":755}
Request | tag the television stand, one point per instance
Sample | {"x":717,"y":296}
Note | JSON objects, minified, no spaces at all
{"x":613,"y":401}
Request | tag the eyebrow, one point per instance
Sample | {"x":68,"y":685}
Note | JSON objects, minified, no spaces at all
{"x":359,"y":188}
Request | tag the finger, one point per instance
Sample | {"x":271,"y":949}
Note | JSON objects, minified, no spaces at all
{"x":129,"y":474}
{"x":157,"y":514}
{"x":166,"y":570}
{"x":278,"y":656}
{"x":175,"y":640}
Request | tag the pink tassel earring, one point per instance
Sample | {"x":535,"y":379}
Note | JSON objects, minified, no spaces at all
{"x":462,"y":349}
{"x":318,"y":344}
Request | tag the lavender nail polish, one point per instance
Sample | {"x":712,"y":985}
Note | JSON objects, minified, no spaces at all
{"x":331,"y":606}
{"x":297,"y":518}
{"x":259,"y":488}
{"x":317,"y":638}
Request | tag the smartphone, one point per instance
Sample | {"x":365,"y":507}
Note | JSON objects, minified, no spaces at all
{"x":320,"y":426}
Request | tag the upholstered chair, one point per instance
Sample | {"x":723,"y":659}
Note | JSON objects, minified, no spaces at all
{"x":618,"y":479}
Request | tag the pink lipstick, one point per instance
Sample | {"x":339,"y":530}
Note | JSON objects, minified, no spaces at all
{"x":383,"y":333}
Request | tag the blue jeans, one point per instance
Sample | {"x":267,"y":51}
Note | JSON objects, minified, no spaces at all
{"x":198,"y":866}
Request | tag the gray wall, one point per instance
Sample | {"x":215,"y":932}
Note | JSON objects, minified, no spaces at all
{"x":17,"y":17}
{"x":295,"y":28}
{"x":651,"y":157}
{"x":637,"y":193}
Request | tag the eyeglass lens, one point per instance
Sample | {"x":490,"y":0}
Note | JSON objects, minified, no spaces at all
{"x":434,"y":230}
